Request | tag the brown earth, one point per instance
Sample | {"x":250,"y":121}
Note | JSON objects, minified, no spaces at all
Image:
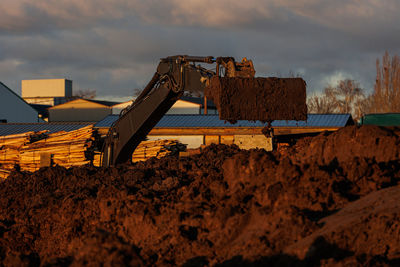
{"x":264,"y":99}
{"x":331,"y":200}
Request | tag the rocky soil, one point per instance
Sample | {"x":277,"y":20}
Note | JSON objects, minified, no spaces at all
{"x":331,"y":200}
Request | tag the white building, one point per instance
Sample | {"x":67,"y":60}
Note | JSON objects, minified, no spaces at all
{"x":117,"y":108}
{"x":46,"y":91}
{"x":14,"y":109}
{"x":80,"y":109}
{"x":185,"y":105}
{"x":192,"y":105}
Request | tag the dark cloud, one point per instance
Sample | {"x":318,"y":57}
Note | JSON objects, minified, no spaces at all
{"x":115,"y":46}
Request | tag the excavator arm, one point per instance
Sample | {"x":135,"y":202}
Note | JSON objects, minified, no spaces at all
{"x":174,"y":75}
{"x":232,"y":87}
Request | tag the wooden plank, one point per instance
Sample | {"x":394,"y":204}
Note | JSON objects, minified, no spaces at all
{"x":45,"y":159}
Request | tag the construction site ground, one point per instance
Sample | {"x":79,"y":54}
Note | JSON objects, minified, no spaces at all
{"x":330,"y":200}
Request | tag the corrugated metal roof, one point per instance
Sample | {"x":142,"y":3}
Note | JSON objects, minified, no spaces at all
{"x":100,"y":102}
{"x":103,"y":102}
{"x":16,"y":128}
{"x":107,"y":121}
{"x":206,"y":121}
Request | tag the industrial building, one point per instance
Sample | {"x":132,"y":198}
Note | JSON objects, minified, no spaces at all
{"x":85,"y":110}
{"x":46,"y":91}
{"x":117,"y":108}
{"x":197,"y":130}
{"x":185,"y":105}
{"x":191,"y":120}
{"x":193,"y":105}
{"x":89,"y":110}
{"x":14,"y":109}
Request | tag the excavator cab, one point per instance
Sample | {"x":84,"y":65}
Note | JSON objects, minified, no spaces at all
{"x":244,"y":69}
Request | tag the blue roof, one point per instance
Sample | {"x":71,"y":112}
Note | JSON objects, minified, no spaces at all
{"x":211,"y":121}
{"x":16,"y":128}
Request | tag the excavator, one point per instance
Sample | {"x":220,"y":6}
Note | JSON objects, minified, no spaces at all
{"x":176,"y":74}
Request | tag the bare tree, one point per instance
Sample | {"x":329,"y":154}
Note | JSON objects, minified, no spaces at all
{"x":320,"y":104}
{"x":346,"y":94}
{"x":364,"y":106}
{"x":345,"y":97}
{"x":386,"y":95}
{"x":87,"y":93}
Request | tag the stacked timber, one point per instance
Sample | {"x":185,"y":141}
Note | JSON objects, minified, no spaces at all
{"x":9,"y":151}
{"x":97,"y":158}
{"x":158,"y":149}
{"x":66,"y":149}
{"x":149,"y":149}
{"x":28,"y":151}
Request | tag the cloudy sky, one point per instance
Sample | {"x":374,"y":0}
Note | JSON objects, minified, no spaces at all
{"x":114,"y":46}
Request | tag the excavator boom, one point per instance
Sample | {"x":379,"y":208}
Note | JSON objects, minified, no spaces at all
{"x":173,"y":76}
{"x":233,"y":88}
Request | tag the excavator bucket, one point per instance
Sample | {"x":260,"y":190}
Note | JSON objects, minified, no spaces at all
{"x":263,"y":99}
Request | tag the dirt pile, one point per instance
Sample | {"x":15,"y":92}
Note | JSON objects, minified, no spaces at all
{"x":380,"y":144}
{"x":222,"y":207}
{"x":373,"y":217}
{"x":264,"y":99}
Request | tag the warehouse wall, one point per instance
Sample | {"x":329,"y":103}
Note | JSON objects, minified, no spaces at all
{"x":116,"y":109}
{"x":14,"y":109}
{"x":192,"y":141}
{"x":184,"y":107}
{"x":253,"y":141}
{"x":46,"y":88}
{"x":52,"y":101}
{"x":79,"y":110}
{"x":77,"y":114}
{"x":210,"y":111}
{"x":245,"y":141}
{"x":242,"y":141}
{"x":180,"y":107}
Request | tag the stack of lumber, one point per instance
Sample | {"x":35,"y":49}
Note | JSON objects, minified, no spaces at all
{"x":4,"y":173}
{"x":66,"y":149}
{"x":97,"y":158}
{"x":149,"y":149}
{"x":9,"y":151}
{"x":158,"y":149}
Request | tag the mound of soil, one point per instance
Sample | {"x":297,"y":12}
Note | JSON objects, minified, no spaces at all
{"x":368,"y":218}
{"x":263,"y":99}
{"x":223,"y":207}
